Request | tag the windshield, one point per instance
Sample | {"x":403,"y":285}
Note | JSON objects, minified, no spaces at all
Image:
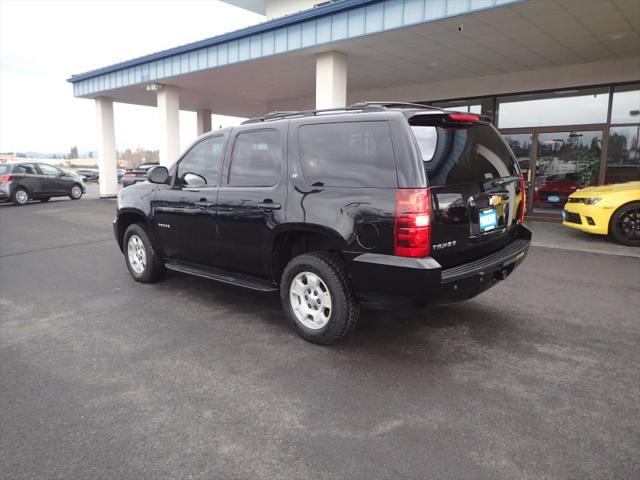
{"x":463,"y":153}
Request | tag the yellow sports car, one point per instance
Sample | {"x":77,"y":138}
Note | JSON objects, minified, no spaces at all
{"x":608,"y":209}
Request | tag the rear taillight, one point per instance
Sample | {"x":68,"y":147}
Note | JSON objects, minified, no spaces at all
{"x":412,"y":229}
{"x":5,"y":179}
{"x":463,"y":117}
{"x":129,"y":174}
{"x":523,"y":200}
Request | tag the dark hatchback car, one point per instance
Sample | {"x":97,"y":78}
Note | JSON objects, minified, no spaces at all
{"x":380,"y":205}
{"x":21,"y":182}
{"x":136,"y":175}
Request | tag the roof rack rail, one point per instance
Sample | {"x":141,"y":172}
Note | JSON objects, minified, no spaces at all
{"x":365,"y":105}
{"x":356,"y":107}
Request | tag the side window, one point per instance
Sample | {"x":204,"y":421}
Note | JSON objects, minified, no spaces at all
{"x":200,"y":166}
{"x":348,"y":154}
{"x":256,"y":159}
{"x":26,"y":168}
{"x":48,"y":170}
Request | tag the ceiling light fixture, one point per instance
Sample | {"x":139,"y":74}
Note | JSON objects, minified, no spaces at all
{"x":154,"y":87}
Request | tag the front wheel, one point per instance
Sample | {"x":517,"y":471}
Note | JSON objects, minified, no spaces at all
{"x":625,"y":224}
{"x":318,"y":299}
{"x":76,"y":192}
{"x":141,"y":257}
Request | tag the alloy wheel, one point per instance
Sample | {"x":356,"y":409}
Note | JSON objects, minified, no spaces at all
{"x":22,"y":197}
{"x":310,"y":300}
{"x":76,"y":191}
{"x":629,"y":224}
{"x":136,"y":254}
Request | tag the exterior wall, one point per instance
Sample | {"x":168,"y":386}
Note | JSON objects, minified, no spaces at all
{"x":280,"y":8}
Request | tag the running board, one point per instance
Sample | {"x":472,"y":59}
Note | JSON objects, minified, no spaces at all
{"x":211,"y":273}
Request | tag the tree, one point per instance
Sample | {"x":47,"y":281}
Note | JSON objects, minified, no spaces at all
{"x":73,"y":153}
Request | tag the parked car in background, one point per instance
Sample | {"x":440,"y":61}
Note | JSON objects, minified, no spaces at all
{"x":89,"y":174}
{"x":379,"y":205}
{"x":24,"y":181}
{"x":554,"y":190}
{"x":136,"y":175}
{"x":121,"y":172}
{"x":606,"y":210}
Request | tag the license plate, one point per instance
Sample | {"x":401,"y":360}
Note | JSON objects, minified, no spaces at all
{"x":488,"y":220}
{"x":553,"y":198}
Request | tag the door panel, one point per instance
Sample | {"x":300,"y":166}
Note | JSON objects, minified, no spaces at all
{"x":252,"y":199}
{"x":53,"y":183}
{"x":184,"y":213}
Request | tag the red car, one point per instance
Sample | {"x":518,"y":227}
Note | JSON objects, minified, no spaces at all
{"x":554,"y":190}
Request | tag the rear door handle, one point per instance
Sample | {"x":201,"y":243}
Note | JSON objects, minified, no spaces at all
{"x":203,"y":204}
{"x":269,"y":205}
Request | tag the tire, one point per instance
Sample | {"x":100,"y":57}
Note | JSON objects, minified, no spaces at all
{"x":625,"y":224}
{"x":44,"y":199}
{"x":141,"y":257}
{"x":20,"y":196}
{"x":318,"y":274}
{"x":76,"y":192}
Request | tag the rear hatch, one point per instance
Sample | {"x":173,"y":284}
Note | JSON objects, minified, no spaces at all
{"x":475,"y":185}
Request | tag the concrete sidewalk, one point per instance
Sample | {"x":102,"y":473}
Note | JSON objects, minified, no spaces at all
{"x":555,"y":235}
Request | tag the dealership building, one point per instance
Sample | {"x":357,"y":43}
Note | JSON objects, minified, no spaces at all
{"x":560,"y":79}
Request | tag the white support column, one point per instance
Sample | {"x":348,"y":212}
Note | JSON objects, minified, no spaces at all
{"x":331,"y":80}
{"x":169,"y":111}
{"x":107,"y":161}
{"x":203,"y":121}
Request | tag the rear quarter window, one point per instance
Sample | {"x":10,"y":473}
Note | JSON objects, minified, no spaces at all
{"x":347,"y":154}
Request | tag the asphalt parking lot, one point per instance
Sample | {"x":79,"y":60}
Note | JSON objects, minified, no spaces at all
{"x":101,"y":377}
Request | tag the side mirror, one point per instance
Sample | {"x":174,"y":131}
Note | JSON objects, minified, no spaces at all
{"x":194,"y":180}
{"x":158,"y":174}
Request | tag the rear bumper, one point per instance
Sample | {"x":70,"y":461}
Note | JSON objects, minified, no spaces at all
{"x":386,"y":281}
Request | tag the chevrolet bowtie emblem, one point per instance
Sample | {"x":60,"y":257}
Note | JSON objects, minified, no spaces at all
{"x":495,"y":200}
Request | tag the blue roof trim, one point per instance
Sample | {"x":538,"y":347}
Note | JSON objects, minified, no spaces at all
{"x":312,"y":13}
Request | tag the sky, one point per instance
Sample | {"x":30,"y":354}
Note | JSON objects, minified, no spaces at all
{"x":44,"y":42}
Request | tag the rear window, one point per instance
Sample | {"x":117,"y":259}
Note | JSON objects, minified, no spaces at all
{"x":347,"y":154}
{"x":463,"y":153}
{"x":4,"y":169}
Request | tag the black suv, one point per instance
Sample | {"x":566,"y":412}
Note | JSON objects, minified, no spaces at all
{"x":378,"y":204}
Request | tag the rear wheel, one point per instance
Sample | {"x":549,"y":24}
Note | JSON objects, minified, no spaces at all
{"x":20,"y":196}
{"x":318,"y":299}
{"x":76,"y":192}
{"x":625,"y":224}
{"x":141,"y":257}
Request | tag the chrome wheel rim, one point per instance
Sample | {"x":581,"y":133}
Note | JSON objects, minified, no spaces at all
{"x":136,"y":254}
{"x":22,"y":197}
{"x":76,"y":191}
{"x":310,"y":300}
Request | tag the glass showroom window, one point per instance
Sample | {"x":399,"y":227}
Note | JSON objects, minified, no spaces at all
{"x":567,"y":107}
{"x":625,"y":107}
{"x":623,"y":157}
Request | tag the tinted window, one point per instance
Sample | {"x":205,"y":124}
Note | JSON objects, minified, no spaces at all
{"x":464,"y":154}
{"x":349,"y":154}
{"x":256,"y":160}
{"x":203,"y":161}
{"x":48,"y":169}
{"x":26,"y":168}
